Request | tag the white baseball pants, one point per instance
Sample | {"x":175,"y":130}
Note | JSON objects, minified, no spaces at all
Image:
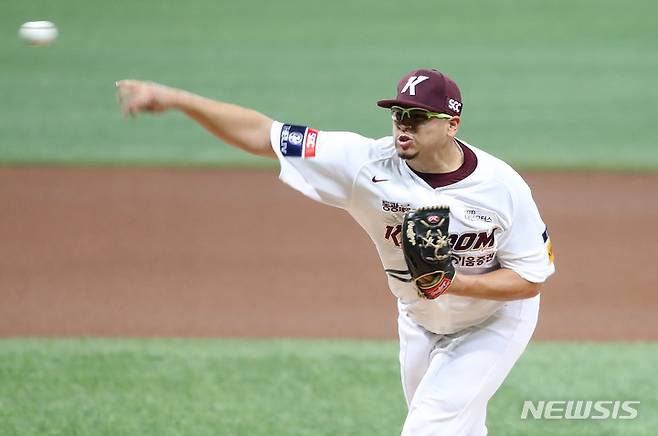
{"x":449,"y":379}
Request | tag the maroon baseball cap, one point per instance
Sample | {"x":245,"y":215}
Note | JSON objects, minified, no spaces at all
{"x":428,"y":89}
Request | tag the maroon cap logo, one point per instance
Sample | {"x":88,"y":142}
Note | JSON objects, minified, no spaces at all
{"x":411,"y":84}
{"x":427,"y":89}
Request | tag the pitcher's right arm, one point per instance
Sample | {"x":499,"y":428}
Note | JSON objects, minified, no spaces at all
{"x":240,"y":127}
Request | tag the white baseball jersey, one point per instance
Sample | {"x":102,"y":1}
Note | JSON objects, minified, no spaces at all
{"x":494,"y":221}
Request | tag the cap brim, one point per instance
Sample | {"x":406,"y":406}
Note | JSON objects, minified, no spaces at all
{"x":403,"y":103}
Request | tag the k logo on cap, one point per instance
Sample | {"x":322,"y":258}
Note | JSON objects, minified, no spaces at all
{"x":411,"y":84}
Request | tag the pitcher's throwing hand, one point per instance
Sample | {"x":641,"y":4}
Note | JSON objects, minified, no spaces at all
{"x":137,"y":96}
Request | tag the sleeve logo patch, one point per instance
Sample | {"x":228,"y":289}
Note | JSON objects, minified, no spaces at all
{"x":549,"y":246}
{"x":549,"y":250}
{"x":309,"y":144}
{"x":298,"y":141}
{"x":296,"y":138}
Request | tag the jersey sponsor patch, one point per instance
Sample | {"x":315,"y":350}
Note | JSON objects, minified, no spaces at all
{"x":549,"y":246}
{"x":476,"y":215}
{"x":473,"y":241}
{"x":298,"y":141}
{"x":393,"y":206}
{"x":481,"y":241}
{"x":469,"y":249}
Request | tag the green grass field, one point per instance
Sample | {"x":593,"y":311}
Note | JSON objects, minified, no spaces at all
{"x":221,"y":387}
{"x":559,"y":84}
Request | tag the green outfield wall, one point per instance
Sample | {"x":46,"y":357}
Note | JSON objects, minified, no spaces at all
{"x":559,"y":84}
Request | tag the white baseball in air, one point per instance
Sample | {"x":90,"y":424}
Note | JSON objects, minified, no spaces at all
{"x":38,"y":32}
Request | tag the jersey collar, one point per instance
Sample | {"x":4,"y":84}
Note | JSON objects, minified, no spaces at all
{"x":440,"y":180}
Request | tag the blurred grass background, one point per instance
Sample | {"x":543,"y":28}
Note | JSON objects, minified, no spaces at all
{"x":228,"y":387}
{"x":559,"y":84}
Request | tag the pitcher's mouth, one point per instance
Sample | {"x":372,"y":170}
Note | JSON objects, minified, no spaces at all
{"x":404,"y":140}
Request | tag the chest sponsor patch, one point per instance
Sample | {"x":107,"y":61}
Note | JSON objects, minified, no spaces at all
{"x":298,"y":141}
{"x":394,"y":206}
{"x":484,"y":240}
{"x":475,"y":215}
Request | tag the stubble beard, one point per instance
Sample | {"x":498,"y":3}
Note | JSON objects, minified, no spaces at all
{"x":406,"y":155}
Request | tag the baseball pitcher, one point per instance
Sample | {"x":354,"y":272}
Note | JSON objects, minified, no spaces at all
{"x":457,"y":230}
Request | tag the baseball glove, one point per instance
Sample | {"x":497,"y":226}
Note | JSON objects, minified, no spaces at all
{"x":427,"y":251}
